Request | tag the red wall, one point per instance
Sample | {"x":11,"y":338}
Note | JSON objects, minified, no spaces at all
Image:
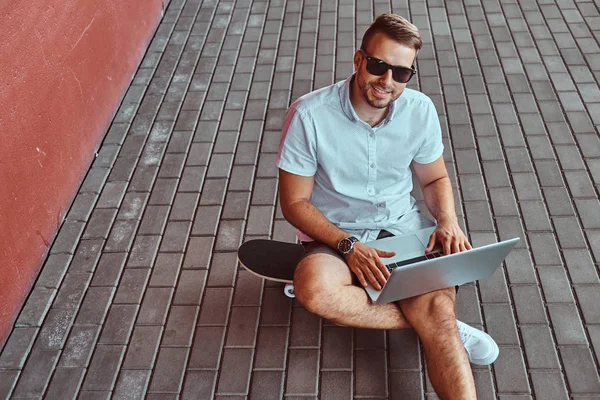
{"x":64,"y":67}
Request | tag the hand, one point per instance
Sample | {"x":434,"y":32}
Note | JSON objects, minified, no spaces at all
{"x":366,"y":264}
{"x":449,"y":235}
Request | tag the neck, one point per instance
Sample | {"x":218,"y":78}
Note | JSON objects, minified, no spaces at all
{"x":371,"y":115}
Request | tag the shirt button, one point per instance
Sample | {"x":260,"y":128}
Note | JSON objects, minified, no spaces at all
{"x":380,"y":205}
{"x":370,"y":191}
{"x":372,"y":135}
{"x":372,"y":165}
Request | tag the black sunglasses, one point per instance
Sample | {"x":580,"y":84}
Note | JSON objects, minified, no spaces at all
{"x":378,"y":67}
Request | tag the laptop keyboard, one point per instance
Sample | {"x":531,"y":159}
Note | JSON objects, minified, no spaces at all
{"x":424,"y":257}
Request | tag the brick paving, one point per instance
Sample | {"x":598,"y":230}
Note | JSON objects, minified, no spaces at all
{"x":141,"y":294}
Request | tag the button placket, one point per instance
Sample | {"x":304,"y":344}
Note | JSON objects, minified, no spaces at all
{"x":372,"y":150}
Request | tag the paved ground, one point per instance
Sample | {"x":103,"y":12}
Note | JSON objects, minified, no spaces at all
{"x":141,"y":293}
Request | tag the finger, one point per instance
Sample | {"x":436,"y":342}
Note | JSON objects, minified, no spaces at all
{"x":455,"y":246}
{"x":381,"y":272}
{"x":446,"y":247}
{"x":468,"y":245}
{"x":463,"y":245}
{"x":385,"y":254}
{"x":431,"y":243}
{"x":361,"y":277}
{"x":371,"y":278}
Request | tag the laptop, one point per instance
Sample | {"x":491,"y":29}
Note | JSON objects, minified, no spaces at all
{"x":413,"y":272}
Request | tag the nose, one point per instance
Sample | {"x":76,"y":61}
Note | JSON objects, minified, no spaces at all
{"x":387,"y":78}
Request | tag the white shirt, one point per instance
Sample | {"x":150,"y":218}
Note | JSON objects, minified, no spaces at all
{"x":362,"y":173}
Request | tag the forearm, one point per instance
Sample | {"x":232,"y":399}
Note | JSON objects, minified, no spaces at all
{"x":439,"y":198}
{"x":306,"y":217}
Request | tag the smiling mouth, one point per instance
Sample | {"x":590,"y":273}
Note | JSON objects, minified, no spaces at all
{"x":380,"y":92}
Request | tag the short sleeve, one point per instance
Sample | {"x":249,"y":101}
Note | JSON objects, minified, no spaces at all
{"x":297,"y":148}
{"x":432,"y":147}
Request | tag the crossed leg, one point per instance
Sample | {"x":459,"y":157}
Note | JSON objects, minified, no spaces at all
{"x":323,"y":285}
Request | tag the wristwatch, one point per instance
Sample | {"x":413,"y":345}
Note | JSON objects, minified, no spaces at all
{"x":346,"y":245}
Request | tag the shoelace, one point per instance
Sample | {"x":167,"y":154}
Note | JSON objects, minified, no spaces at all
{"x":464,"y":336}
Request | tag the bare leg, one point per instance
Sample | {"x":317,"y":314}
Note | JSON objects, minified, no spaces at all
{"x":323,"y":285}
{"x":433,"y":318}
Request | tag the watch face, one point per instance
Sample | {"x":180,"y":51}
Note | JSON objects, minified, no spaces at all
{"x":345,"y":245}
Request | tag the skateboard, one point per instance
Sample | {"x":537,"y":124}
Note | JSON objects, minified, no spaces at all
{"x":272,"y":260}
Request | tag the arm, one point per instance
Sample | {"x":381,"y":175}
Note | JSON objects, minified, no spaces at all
{"x":294,"y":198}
{"x":437,"y":191}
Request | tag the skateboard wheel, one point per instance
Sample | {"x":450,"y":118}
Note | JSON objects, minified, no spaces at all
{"x":289,"y":290}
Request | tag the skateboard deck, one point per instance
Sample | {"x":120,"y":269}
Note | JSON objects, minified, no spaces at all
{"x":272,"y":260}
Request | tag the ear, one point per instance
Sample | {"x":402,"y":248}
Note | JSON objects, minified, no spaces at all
{"x":357,"y":60}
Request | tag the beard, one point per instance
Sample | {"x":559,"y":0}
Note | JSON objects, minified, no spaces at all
{"x":367,"y":88}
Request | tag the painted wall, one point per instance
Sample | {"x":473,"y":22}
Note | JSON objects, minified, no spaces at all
{"x":64,"y":67}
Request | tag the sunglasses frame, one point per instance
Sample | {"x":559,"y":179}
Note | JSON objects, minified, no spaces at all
{"x":412,"y":69}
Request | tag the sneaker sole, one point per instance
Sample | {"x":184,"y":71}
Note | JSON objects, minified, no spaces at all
{"x":491,"y":358}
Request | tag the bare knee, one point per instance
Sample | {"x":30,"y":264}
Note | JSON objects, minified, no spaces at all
{"x":433,"y":310}
{"x":316,"y":294}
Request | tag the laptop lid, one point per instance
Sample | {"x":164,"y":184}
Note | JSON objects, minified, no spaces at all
{"x":439,"y":273}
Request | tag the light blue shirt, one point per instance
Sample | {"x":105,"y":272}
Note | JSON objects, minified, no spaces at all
{"x":362,"y":173}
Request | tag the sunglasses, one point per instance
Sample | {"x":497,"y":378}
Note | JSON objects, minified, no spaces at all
{"x":378,"y":67}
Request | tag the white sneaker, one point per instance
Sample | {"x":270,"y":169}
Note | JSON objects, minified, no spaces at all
{"x":481,"y":348}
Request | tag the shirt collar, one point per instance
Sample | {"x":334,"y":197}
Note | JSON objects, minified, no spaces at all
{"x":347,"y":107}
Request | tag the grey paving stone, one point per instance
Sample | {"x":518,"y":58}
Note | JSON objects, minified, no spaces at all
{"x":109,"y":269}
{"x":36,"y":307}
{"x":53,"y":270}
{"x":567,"y":324}
{"x":569,"y":232}
{"x":175,"y":236}
{"x":206,"y":220}
{"x":163,"y":192}
{"x":131,"y":287}
{"x":248,"y":289}
{"x":112,"y":195}
{"x":72,"y":290}
{"x":82,"y":207}
{"x":543,"y":247}
{"x":94,"y":180}
{"x":555,"y":285}
{"x":133,"y":206}
{"x":548,"y":385}
{"x":36,"y":374}
{"x":154,"y":221}
{"x":190,"y":287}
{"x":65,"y":383}
{"x":528,"y":304}
{"x":510,"y":372}
{"x":132,"y":384}
{"x":580,"y":266}
{"x":54,"y":331}
{"x":276,"y":307}
{"x":166,"y":270}
{"x":8,"y":379}
{"x":370,"y":373}
{"x":236,"y":205}
{"x":535,"y":216}
{"x":199,"y":384}
{"x":582,"y":375}
{"x":302,"y":372}
{"x":68,"y":237}
{"x":494,"y":289}
{"x":169,"y":370}
{"x":307,"y":329}
{"x":588,"y":297}
{"x":589,"y":212}
{"x":143,"y":178}
{"x":103,"y":370}
{"x":143,"y":347}
{"x":579,"y":184}
{"x":87,"y":255}
{"x":558,"y":201}
{"x":184,"y":206}
{"x":17,"y":348}
{"x":121,"y":236}
{"x":526,"y":186}
{"x":223,"y":269}
{"x":192,"y":179}
{"x":500,"y":323}
{"x":155,"y":306}
{"x":144,"y":251}
{"x":229,"y":237}
{"x":213,"y":192}
{"x":119,"y":324}
{"x":180,"y":326}
{"x":79,"y":347}
{"x":539,"y":347}
{"x":95,"y":305}
{"x":503,"y":202}
{"x":266,"y":385}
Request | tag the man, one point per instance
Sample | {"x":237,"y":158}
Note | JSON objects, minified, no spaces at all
{"x":344,"y":169}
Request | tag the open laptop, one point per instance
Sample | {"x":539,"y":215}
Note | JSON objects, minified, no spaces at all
{"x":413,"y":272}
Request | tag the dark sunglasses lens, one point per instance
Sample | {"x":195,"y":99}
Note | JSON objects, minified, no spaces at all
{"x":402,"y":75}
{"x":376,"y":68}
